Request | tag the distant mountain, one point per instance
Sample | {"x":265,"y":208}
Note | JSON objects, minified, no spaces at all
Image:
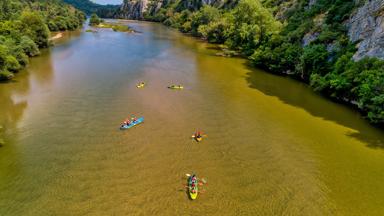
{"x":104,"y":11}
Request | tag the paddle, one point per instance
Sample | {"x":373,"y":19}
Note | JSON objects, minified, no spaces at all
{"x":203,"y":135}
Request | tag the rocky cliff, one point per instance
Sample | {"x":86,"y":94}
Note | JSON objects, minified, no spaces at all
{"x":132,"y":9}
{"x":135,"y":9}
{"x":366,"y":26}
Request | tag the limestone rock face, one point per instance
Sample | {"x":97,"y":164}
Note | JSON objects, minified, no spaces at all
{"x":132,"y":9}
{"x":366,"y":27}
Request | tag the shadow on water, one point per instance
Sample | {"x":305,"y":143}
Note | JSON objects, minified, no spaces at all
{"x":11,"y":109}
{"x":301,"y":95}
{"x":15,"y":99}
{"x":14,"y":94}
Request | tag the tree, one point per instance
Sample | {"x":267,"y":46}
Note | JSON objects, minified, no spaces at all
{"x":313,"y":60}
{"x":29,"y":47}
{"x":204,"y":16}
{"x":94,"y":20}
{"x":250,"y":25}
{"x":11,"y":64}
{"x":3,"y":56}
{"x":35,"y":28}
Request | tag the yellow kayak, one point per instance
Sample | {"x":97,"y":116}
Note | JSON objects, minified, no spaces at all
{"x":192,"y":187}
{"x":193,"y":195}
{"x":140,"y":85}
{"x":197,"y":138}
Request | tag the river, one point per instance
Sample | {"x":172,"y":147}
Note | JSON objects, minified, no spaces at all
{"x":274,"y":147}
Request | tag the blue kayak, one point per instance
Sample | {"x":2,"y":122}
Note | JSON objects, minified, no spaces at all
{"x":138,"y":121}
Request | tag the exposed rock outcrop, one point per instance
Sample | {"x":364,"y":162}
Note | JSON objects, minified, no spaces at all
{"x":132,"y":9}
{"x":366,"y":27}
{"x":309,"y":37}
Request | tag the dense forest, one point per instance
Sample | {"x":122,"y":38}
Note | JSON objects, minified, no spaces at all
{"x":273,"y":39}
{"x":25,"y":27}
{"x":88,"y":7}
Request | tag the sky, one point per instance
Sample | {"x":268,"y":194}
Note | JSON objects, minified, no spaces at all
{"x":108,"y":1}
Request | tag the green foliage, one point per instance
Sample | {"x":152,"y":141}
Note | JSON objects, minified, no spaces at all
{"x":60,"y":23}
{"x":10,"y":9}
{"x":52,"y":26}
{"x":326,"y":63}
{"x":121,"y":28}
{"x":361,"y":82}
{"x":324,"y":60}
{"x":204,"y":16}
{"x":35,"y":28}
{"x":94,"y":20}
{"x":186,"y":27}
{"x":11,"y":64}
{"x":278,"y":57}
{"x":215,"y":31}
{"x":25,"y":27}
{"x":3,"y":56}
{"x":339,"y":11}
{"x":243,"y":28}
{"x":104,"y":11}
{"x":313,"y":61}
{"x":328,"y":34}
{"x":5,"y":75}
{"x":252,"y":23}
{"x":28,"y":46}
{"x":160,"y":16}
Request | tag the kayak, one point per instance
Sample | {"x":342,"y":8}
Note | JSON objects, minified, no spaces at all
{"x":193,"y":191}
{"x":138,"y":121}
{"x":198,"y":139}
{"x":175,"y":87}
{"x":140,"y":85}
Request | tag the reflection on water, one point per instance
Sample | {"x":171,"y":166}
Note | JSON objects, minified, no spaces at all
{"x":16,"y":97}
{"x":273,"y":146}
{"x":300,"y":95}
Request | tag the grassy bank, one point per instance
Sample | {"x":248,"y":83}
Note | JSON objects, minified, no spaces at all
{"x":96,"y":22}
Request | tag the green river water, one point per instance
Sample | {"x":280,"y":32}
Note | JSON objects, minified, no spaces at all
{"x":273,"y":148}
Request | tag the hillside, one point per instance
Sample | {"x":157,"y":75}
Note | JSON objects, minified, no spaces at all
{"x":104,"y":11}
{"x":336,"y":46}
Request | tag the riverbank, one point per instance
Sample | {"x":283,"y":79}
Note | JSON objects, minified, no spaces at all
{"x":58,"y":35}
{"x":273,"y":145}
{"x":332,"y":73}
{"x":24,"y":34}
